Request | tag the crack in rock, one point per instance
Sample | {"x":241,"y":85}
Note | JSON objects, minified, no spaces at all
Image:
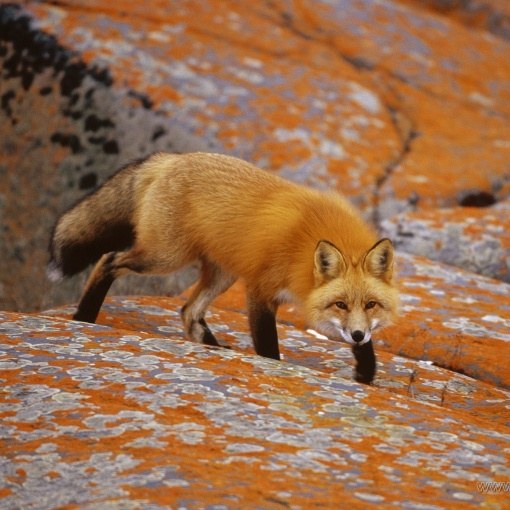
{"x":407,"y":133}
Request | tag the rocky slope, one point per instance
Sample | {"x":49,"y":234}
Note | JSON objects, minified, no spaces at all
{"x":401,"y":105}
{"x":127,"y":413}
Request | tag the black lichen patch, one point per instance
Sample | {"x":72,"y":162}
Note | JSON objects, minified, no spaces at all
{"x":478,"y":199}
{"x":97,"y":140}
{"x":145,"y":100}
{"x":68,"y":140}
{"x":111,"y":147}
{"x":28,"y":52}
{"x":72,"y":78}
{"x":25,"y":53}
{"x":5,"y":101}
{"x":94,"y":123}
{"x":88,"y":181}
{"x":158,"y":133}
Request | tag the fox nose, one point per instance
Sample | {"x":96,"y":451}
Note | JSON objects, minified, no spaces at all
{"x":358,"y":336}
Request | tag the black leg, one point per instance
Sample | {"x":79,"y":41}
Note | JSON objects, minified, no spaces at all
{"x":207,"y":338}
{"x":198,"y":330}
{"x":108,"y":268}
{"x":96,"y":288}
{"x":365,"y":362}
{"x":263,"y":330}
{"x":92,"y":299}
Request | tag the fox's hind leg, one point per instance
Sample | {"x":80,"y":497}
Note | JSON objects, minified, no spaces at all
{"x":213,"y":281}
{"x":109,"y":267}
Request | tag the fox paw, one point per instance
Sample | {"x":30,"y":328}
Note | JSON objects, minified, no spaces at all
{"x":365,"y":363}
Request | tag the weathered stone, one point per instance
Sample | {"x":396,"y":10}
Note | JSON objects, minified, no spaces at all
{"x":454,"y":318}
{"x":397,"y":106}
{"x":97,"y":415}
{"x":490,"y":15}
{"x":65,"y":127}
{"x":475,"y":239}
{"x":394,"y":105}
{"x":400,"y":106}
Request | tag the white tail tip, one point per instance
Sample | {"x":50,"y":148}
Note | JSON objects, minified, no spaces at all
{"x":53,"y":272}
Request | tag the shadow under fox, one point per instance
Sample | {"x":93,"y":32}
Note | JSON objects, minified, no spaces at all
{"x":287,"y":242}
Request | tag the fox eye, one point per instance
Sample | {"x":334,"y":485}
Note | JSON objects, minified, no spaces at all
{"x":370,"y":304}
{"x":341,"y":305}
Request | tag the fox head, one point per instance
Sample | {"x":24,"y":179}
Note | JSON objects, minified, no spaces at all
{"x":352,"y":298}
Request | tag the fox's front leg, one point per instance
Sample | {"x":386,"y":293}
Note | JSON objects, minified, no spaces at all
{"x":197,"y":329}
{"x":262,"y":318}
{"x":365,"y":362}
{"x":213,"y":281}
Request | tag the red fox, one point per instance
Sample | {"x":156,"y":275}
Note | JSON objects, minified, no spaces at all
{"x":287,"y":242}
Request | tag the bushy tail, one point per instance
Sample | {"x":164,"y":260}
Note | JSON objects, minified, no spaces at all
{"x":99,"y":223}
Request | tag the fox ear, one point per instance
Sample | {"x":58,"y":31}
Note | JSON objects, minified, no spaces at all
{"x":378,"y":261}
{"x":329,"y":262}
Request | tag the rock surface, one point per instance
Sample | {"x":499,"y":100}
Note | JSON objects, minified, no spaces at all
{"x":404,"y":107}
{"x":476,"y":239}
{"x":64,"y":129}
{"x":135,"y":387}
{"x":490,"y":15}
{"x":128,"y":413}
{"x":397,"y":106}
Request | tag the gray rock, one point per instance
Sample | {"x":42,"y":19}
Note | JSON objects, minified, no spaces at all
{"x":476,"y":239}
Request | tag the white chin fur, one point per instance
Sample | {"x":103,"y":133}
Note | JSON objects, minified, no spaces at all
{"x":365,"y":340}
{"x":336,"y":332}
{"x":347,"y":337}
{"x":333,"y":332}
